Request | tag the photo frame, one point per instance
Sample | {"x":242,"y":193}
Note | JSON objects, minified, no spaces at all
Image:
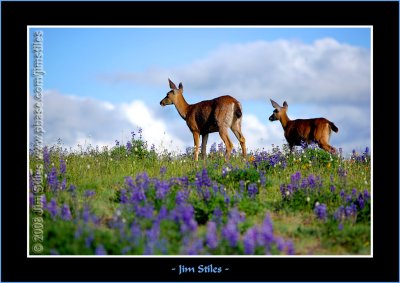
{"x":382,"y":16}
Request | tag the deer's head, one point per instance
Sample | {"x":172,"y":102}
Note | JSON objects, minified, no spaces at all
{"x":173,"y":94}
{"x":279,"y":111}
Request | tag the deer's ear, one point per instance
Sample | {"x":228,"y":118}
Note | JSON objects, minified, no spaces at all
{"x":180,"y":86}
{"x":171,"y":84}
{"x":275,"y":105}
{"x":285,"y":104}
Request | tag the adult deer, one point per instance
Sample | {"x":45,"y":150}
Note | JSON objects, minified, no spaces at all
{"x":304,"y":130}
{"x":208,"y":116}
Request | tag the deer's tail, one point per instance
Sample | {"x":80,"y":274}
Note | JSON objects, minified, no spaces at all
{"x":333,"y":127}
{"x":238,"y":110}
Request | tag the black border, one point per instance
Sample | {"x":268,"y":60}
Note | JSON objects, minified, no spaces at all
{"x":383,"y":16}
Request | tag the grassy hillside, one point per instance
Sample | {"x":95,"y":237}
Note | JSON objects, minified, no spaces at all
{"x":130,"y":200}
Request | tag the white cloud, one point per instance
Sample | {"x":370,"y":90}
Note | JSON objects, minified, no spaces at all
{"x":325,"y":71}
{"x":258,"y":135}
{"x":156,"y":133}
{"x":83,"y":121}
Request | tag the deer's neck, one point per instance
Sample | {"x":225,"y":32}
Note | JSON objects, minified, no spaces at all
{"x":182,"y":106}
{"x":284,"y":119}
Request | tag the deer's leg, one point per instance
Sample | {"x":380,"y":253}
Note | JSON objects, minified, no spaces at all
{"x":327,"y":147}
{"x":196,"y":138}
{"x":236,"y":129}
{"x":223,"y":132}
{"x":323,"y":141}
{"x":204,"y":145}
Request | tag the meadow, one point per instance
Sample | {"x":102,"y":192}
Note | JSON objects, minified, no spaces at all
{"x":133,"y":200}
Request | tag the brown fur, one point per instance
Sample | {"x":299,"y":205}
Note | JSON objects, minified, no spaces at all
{"x":304,"y":130}
{"x":208,"y":116}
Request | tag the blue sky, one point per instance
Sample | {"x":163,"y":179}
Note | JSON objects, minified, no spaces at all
{"x":102,"y":83}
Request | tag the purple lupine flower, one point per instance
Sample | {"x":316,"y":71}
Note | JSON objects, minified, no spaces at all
{"x":46,"y":158}
{"x":266,"y":232}
{"x":86,"y":213}
{"x":349,"y":199}
{"x":31,"y":199}
{"x":66,"y":213}
{"x":129,"y":146}
{"x":161,"y":245}
{"x":140,"y":131}
{"x":215,"y":187}
{"x":63,"y":166}
{"x":231,"y":233}
{"x":52,"y":179}
{"x":89,"y":193}
{"x":342,"y":194}
{"x":146,"y":211}
{"x":354,"y":192}
{"x":342,"y":172}
{"x":340,"y":213}
{"x":284,"y":192}
{"x":116,"y":143}
{"x":136,"y":233}
{"x":52,"y":208}
{"x":63,"y":184}
{"x":163,"y":213}
{"x":89,"y":240}
{"x":153,"y":233}
{"x":181,"y":197}
{"x":333,"y":188}
{"x":311,"y":181}
{"x":320,"y":211}
{"x":366,"y":194}
{"x":212,"y":237}
{"x":213,"y":148}
{"x":184,"y":215}
{"x":202,"y":179}
{"x":304,"y":183}
{"x":142,"y":181}
{"x":340,"y":226}
{"x":43,"y":201}
{"x":162,"y":188}
{"x":290,"y":247}
{"x":295,"y":179}
{"x":280,"y":244}
{"x":242,"y":186}
{"x":194,"y":246}
{"x":206,"y":194}
{"x":360,"y":201}
{"x":252,"y":190}
{"x":100,"y":250}
{"x":72,"y":188}
{"x":303,"y":144}
{"x":235,"y":216}
{"x":221,"y":148}
{"x":184,"y":182}
{"x":217,"y":215}
{"x":123,"y":197}
{"x":250,"y":241}
{"x":137,"y":193}
{"x":187,"y":217}
{"x":163,"y":170}
{"x":227,"y":200}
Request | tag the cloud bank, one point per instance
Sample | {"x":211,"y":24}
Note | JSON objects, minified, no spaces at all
{"x":325,"y":77}
{"x":325,"y":71}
